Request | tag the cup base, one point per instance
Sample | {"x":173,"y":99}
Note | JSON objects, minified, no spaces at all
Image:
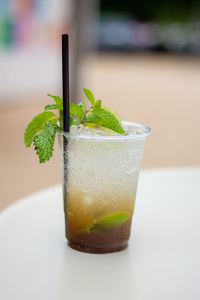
{"x":96,"y":250}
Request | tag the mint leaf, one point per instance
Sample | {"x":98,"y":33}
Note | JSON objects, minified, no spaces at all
{"x":37,"y":124}
{"x":51,"y":106}
{"x":58,"y":105}
{"x":103,"y":117}
{"x":44,"y":141}
{"x":98,"y":103}
{"x":83,"y":104}
{"x":90,"y":96}
{"x":113,"y":112}
{"x":73,"y":121}
{"x":76,"y":110}
{"x":108,"y":221}
{"x":57,"y":99}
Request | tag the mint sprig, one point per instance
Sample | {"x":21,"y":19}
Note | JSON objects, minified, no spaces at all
{"x":99,"y":115}
{"x":42,"y":129}
{"x":44,"y":141}
{"x":37,"y":124}
{"x":46,"y":124}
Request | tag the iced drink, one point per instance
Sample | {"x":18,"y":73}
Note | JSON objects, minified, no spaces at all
{"x":101,"y":184}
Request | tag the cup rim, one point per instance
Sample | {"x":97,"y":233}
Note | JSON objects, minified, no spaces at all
{"x":144,"y":131}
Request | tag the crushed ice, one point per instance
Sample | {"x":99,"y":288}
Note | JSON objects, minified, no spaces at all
{"x":98,"y":131}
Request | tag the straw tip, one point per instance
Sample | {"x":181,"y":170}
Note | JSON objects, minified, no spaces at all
{"x":65,"y":35}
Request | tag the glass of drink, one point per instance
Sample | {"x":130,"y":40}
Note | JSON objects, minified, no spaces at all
{"x":100,"y":183}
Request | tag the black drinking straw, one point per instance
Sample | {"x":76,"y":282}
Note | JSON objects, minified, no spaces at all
{"x":65,"y":86}
{"x":65,"y":81}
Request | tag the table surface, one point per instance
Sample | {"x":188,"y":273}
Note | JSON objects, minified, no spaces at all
{"x":161,"y":262}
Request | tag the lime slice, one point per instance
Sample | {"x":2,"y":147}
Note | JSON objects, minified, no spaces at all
{"x":109,"y":221}
{"x":100,"y":130}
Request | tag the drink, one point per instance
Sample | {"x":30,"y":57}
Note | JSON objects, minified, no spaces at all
{"x":101,"y":184}
{"x":101,"y":159}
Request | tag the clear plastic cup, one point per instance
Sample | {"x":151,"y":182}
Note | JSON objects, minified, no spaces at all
{"x":99,"y":186}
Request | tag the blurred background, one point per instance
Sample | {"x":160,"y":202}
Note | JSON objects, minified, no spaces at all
{"x":141,"y":58}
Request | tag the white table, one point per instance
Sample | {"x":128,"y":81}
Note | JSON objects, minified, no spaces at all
{"x":161,"y":262}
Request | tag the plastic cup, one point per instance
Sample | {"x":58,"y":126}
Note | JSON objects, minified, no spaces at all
{"x":100,"y":184}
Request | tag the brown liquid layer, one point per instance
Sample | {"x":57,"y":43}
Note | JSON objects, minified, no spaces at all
{"x":97,"y":250}
{"x":105,"y":241}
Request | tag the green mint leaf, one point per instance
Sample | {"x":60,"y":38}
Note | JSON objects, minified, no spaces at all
{"x":58,"y":105}
{"x":108,"y":221}
{"x":113,"y":112}
{"x":37,"y":125}
{"x":57,"y":99}
{"x":98,"y":103}
{"x":76,"y":110}
{"x":73,"y":121}
{"x":83,"y":105}
{"x":44,"y":141}
{"x":90,"y":96}
{"x":51,"y":106}
{"x":103,"y":117}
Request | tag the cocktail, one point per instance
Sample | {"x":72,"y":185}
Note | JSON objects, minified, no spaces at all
{"x":101,"y":185}
{"x":101,"y":159}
